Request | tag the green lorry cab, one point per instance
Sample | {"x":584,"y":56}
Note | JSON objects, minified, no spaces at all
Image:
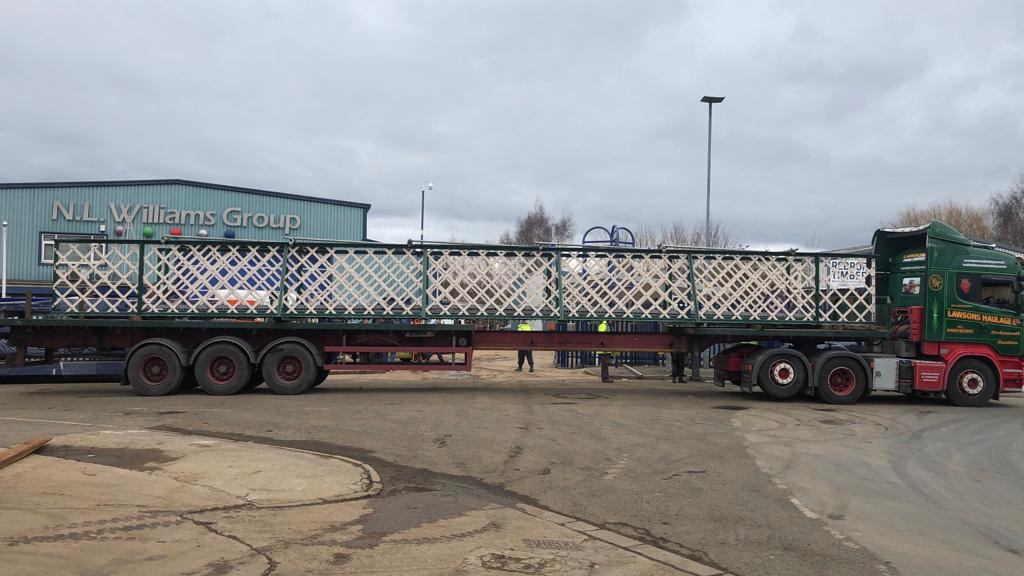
{"x":953,"y":300}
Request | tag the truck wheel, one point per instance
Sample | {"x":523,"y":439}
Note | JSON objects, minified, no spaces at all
{"x":841,"y":381}
{"x":970,"y":383}
{"x":155,"y":370}
{"x":222,"y":369}
{"x":289,"y":369}
{"x":782,"y":376}
{"x":320,"y":377}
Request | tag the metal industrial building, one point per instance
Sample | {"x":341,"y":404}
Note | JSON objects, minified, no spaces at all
{"x":38,"y":213}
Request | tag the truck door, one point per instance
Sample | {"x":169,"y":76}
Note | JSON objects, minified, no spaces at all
{"x":982,"y":309}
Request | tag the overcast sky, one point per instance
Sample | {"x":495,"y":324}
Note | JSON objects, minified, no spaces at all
{"x":835,"y":114}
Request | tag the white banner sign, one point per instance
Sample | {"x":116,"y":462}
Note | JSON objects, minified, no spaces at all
{"x":846,"y":272}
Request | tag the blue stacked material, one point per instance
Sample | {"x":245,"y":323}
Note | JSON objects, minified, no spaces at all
{"x":16,"y":306}
{"x":581,"y":359}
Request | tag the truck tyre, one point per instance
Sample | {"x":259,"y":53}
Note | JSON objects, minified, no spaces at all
{"x":320,"y":377}
{"x":222,"y":369}
{"x":782,"y":376}
{"x":289,"y":369}
{"x":155,"y":370}
{"x":841,"y":381}
{"x":970,"y":383}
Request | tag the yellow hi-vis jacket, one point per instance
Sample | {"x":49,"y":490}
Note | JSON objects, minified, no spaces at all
{"x":602,"y":327}
{"x":524,"y":327}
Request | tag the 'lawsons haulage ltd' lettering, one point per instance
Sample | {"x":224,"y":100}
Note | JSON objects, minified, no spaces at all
{"x":979,"y":317}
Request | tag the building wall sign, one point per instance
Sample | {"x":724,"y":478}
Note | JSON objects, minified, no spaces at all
{"x":233,"y":217}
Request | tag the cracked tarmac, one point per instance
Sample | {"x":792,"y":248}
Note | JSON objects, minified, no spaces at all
{"x":76,"y":507}
{"x":730,"y":480}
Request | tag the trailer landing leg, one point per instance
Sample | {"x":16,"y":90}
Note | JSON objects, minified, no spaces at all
{"x":695,"y":350}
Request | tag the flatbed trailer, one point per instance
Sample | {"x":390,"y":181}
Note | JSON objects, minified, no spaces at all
{"x":228,"y":315}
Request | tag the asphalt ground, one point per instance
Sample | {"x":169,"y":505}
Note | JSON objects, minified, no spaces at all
{"x":732,"y":480}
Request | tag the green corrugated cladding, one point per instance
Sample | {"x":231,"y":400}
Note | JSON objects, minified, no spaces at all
{"x":29,"y":209}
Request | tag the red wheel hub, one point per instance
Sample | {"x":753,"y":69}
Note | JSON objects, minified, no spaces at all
{"x":782,"y":373}
{"x":842,"y":381}
{"x":154,"y":370}
{"x":288,"y":369}
{"x":970,"y":383}
{"x":221,"y":369}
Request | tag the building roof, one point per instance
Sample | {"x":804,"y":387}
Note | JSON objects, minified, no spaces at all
{"x":176,"y":181}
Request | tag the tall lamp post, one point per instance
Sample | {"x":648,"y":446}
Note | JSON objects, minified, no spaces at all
{"x":3,"y":271}
{"x":711,"y":101}
{"x":427,"y":185}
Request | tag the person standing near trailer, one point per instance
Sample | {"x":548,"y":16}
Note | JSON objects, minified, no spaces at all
{"x":678,"y":363}
{"x":527,"y":355}
{"x":604,"y":356}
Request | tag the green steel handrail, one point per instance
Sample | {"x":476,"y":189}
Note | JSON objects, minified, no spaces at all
{"x":556,"y":255}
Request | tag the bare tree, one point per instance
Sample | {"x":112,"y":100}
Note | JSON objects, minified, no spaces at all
{"x":678,"y":234}
{"x":972,"y":221}
{"x":539,"y":226}
{"x":1008,"y":214}
{"x":720,"y":237}
{"x":813,"y":243}
{"x":675,"y":234}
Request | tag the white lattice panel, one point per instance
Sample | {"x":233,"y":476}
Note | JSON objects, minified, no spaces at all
{"x":626,"y":285}
{"x":398,"y":281}
{"x":227,"y":279}
{"x":353,"y":281}
{"x":492,"y":283}
{"x":95,"y":278}
{"x":755,"y":287}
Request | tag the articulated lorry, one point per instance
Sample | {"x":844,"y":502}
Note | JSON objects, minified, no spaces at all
{"x":926,"y":312}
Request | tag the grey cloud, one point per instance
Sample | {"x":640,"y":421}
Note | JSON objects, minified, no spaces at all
{"x":836,"y":112}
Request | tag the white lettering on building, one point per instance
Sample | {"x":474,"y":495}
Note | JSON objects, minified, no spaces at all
{"x":160,"y":214}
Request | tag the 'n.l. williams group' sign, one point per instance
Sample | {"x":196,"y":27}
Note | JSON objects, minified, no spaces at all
{"x":161,"y":214}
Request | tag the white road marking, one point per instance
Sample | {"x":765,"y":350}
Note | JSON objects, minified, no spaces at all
{"x":797,"y":503}
{"x":813,"y":516}
{"x":165,"y":408}
{"x":56,"y":422}
{"x":614,"y":471}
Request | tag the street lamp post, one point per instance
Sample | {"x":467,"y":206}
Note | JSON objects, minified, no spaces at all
{"x":711,"y":101}
{"x":428,"y":185}
{"x":3,"y":265}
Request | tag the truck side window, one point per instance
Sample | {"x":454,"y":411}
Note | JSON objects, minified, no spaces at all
{"x":994,"y":291}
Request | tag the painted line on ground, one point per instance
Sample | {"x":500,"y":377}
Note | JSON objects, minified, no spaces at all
{"x":56,"y":422}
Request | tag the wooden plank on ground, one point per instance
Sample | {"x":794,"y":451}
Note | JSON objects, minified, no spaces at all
{"x":19,"y":451}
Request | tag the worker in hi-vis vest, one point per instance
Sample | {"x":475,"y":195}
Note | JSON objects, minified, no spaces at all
{"x":604,"y":356}
{"x":527,"y":355}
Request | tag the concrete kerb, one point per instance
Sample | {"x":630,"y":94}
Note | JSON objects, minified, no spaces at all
{"x":624,"y":542}
{"x":370,"y":483}
{"x":373,"y":478}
